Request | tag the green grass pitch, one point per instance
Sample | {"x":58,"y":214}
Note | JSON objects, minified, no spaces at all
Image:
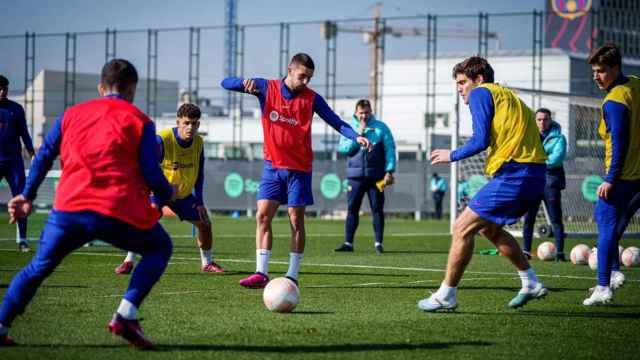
{"x":353,"y":305}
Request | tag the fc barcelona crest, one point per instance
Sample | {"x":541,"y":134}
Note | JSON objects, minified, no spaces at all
{"x":571,"y":9}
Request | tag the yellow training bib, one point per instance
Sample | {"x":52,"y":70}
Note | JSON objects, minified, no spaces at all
{"x":181,"y":165}
{"x":628,"y":95}
{"x":514,"y":134}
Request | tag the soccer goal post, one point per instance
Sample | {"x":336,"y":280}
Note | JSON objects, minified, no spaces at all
{"x":584,"y":164}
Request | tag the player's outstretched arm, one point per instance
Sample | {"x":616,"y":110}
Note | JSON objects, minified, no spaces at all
{"x":255,"y":86}
{"x":43,"y":160}
{"x":23,"y":131}
{"x":482,"y":112}
{"x":148,"y":161}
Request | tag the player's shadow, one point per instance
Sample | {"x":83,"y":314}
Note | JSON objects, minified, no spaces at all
{"x":512,"y":288}
{"x":337,"y":348}
{"x":567,"y":314}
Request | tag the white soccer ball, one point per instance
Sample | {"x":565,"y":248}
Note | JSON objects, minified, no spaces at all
{"x":546,"y":251}
{"x":631,"y":257}
{"x":580,"y":254}
{"x":593,"y":259}
{"x":281,"y":295}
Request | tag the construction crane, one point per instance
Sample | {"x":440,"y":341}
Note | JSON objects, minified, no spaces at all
{"x":375,"y":38}
{"x":230,"y":43}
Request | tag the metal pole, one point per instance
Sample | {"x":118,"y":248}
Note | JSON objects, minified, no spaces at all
{"x":453,"y":196}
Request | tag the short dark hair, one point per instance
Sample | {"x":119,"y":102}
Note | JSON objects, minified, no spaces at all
{"x":474,"y":67}
{"x":363,"y":103}
{"x":4,"y":82}
{"x":119,"y":73}
{"x":607,"y":54}
{"x":190,"y":111}
{"x":544,"y":111}
{"x":304,"y":60}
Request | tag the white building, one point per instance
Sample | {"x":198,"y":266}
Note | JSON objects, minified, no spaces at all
{"x":48,"y":91}
{"x":404,"y":90}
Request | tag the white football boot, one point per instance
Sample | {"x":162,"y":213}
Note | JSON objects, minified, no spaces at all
{"x":433,"y":304}
{"x":601,"y":295}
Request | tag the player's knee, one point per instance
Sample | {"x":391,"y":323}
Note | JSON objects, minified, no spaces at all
{"x":489,"y":232}
{"x":262,"y":219}
{"x":297,"y":223}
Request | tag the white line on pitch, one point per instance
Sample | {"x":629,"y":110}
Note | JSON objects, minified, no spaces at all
{"x":240,"y":236}
{"x":372,"y":267}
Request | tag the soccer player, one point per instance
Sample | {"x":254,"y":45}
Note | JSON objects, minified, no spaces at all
{"x":619,"y":194}
{"x":365,"y":169}
{"x":13,"y":127}
{"x":181,"y":156}
{"x":515,"y":159}
{"x":555,"y":146}
{"x":107,"y":149}
{"x":287,"y":110}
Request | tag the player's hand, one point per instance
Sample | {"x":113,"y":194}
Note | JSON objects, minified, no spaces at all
{"x":440,"y":156}
{"x":250,"y":86}
{"x":389,"y":179}
{"x":364,"y":142}
{"x":204,"y":215}
{"x":604,"y":190}
{"x":19,"y":208}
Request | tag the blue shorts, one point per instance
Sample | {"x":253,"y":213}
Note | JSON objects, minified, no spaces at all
{"x":512,"y":191}
{"x":185,"y":208}
{"x":285,"y":186}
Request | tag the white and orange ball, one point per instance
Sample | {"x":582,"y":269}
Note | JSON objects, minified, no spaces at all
{"x":546,"y":251}
{"x":580,"y":254}
{"x":593,"y":259}
{"x":631,"y":257}
{"x":281,"y":295}
{"x":620,"y":251}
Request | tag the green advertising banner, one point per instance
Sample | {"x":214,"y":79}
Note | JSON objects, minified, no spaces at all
{"x":330,"y":186}
{"x":233,"y":185}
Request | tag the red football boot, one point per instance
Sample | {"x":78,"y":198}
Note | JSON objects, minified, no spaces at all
{"x":131,"y":331}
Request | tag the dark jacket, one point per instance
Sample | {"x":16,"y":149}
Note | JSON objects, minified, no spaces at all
{"x":370,"y":164}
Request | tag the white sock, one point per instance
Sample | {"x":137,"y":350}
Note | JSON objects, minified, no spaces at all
{"x":378,"y":243}
{"x":348,"y":244}
{"x":446,"y":292}
{"x":206,"y":257}
{"x":294,"y":264}
{"x":127,"y":310}
{"x":131,"y":257}
{"x":262,"y":261}
{"x":3,"y":330}
{"x":528,"y":278}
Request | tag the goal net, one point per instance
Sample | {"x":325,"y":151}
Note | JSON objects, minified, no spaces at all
{"x":583,"y":165}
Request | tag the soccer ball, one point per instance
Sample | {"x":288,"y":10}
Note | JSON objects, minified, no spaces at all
{"x":546,"y":251}
{"x":631,"y":257}
{"x":580,"y":254}
{"x":281,"y":295}
{"x":593,"y":259}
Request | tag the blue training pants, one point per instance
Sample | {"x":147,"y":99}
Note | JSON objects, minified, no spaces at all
{"x":357,"y":189}
{"x":65,"y":232}
{"x":613,"y":216}
{"x":13,"y":172}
